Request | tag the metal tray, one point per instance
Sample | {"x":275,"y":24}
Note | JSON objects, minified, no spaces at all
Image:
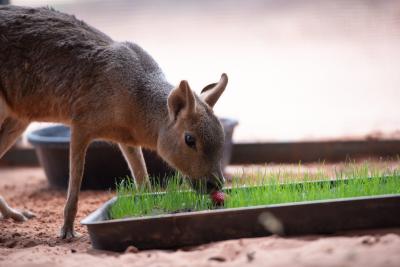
{"x":194,"y":228}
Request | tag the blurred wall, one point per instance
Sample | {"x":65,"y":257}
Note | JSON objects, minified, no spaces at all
{"x":299,"y":69}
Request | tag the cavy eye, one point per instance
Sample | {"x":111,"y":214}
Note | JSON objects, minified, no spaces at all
{"x":190,"y":140}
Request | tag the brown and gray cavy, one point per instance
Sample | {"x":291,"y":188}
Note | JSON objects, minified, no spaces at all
{"x":55,"y":68}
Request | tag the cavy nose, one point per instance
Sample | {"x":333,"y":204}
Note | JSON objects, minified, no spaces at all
{"x":215,"y":182}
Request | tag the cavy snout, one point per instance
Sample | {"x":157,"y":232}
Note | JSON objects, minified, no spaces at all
{"x":215,"y":182}
{"x":210,"y":183}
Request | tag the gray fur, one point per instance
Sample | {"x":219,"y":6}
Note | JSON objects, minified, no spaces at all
{"x":51,"y":61}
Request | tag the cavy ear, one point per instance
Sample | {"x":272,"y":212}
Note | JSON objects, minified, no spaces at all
{"x":211,"y":93}
{"x":181,"y":100}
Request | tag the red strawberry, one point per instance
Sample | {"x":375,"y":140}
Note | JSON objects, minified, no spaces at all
{"x":218,"y":197}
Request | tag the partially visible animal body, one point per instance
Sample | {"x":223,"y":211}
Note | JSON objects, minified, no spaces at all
{"x":7,"y":212}
{"x":56,"y":68}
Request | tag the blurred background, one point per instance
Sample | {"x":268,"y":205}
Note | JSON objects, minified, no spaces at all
{"x":314,"y":84}
{"x":298,"y":69}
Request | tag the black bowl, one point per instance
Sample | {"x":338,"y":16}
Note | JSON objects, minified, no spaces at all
{"x":104,"y":164}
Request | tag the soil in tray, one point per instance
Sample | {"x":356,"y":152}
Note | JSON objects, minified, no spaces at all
{"x":267,"y":189}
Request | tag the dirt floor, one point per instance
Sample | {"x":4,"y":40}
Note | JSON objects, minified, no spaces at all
{"x":34,"y":243}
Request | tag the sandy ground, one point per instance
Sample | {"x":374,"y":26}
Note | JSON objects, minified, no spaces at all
{"x":34,"y":243}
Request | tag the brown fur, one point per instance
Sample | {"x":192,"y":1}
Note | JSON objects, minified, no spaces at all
{"x":59,"y":69}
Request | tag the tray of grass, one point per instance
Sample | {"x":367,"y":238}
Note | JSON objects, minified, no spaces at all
{"x":178,"y":217}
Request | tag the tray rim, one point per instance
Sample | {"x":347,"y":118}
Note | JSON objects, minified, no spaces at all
{"x":94,"y":217}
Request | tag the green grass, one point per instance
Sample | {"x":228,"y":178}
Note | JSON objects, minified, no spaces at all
{"x":262,"y":189}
